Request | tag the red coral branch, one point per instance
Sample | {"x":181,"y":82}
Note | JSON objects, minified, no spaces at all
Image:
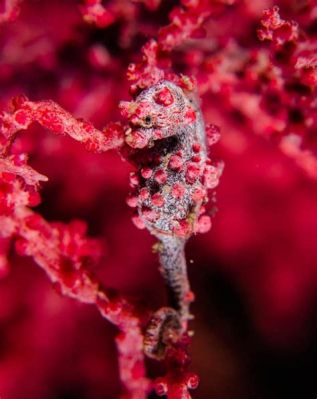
{"x":276,"y":29}
{"x":64,"y":252}
{"x":295,"y":84}
{"x":148,"y":72}
{"x":186,"y":22}
{"x":53,"y":117}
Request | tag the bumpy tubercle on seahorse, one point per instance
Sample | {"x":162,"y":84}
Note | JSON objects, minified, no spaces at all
{"x":167,"y":143}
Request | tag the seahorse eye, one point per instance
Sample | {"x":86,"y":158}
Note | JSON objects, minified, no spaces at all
{"x":148,"y":120}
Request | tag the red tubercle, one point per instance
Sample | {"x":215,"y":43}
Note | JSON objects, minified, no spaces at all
{"x":178,"y":190}
{"x":138,"y":222}
{"x":203,"y":224}
{"x":187,"y":83}
{"x":146,"y":173}
{"x":149,"y":214}
{"x":127,"y":109}
{"x":175,"y":162}
{"x":189,"y":297}
{"x":144,"y":194}
{"x":196,"y":147}
{"x":212,"y":134}
{"x":164,"y":97}
{"x":198,"y":194}
{"x":192,"y":172}
{"x":182,"y":228}
{"x":134,"y":179}
{"x":190,"y":115}
{"x":210,"y":176}
{"x":132,"y":201}
{"x":157,"y":199}
{"x":136,"y":139}
{"x":160,"y":176}
{"x":196,"y":158}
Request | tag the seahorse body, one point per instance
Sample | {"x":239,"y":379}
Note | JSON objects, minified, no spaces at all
{"x":168,"y":136}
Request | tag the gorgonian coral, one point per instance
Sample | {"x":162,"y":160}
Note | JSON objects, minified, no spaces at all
{"x":190,"y":66}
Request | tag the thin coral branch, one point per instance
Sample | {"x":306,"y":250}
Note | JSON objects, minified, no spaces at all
{"x":53,"y":117}
{"x":62,"y":251}
{"x":186,"y":22}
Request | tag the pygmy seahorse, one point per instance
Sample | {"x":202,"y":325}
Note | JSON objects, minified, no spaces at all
{"x":168,"y":144}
